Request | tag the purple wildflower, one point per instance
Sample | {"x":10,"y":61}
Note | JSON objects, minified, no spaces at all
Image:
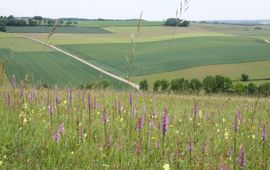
{"x":239,"y":117}
{"x":195,"y":107}
{"x":165,"y":122}
{"x":264,"y":133}
{"x":140,"y":124}
{"x":130,"y":99}
{"x":158,"y":144}
{"x":51,"y":111}
{"x":30,"y":97}
{"x":58,"y":132}
{"x":242,"y":158}
{"x":236,"y":123}
{"x":56,"y":136}
{"x":57,"y":100}
{"x":95,"y":102}
{"x":223,"y":167}
{"x":14,"y":82}
{"x":88,"y":102}
{"x":229,"y":153}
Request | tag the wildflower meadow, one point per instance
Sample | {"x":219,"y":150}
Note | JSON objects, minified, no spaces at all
{"x":82,"y":129}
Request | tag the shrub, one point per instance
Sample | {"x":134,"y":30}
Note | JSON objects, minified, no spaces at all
{"x":144,"y":85}
{"x":244,"y":77}
{"x":195,"y":85}
{"x":156,"y":85}
{"x":164,"y":85}
{"x":209,"y":84}
{"x":176,"y":22}
{"x":264,"y":89}
{"x":251,"y":89}
{"x":177,"y":85}
{"x":240,"y":89}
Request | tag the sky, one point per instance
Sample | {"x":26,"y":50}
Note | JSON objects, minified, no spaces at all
{"x":126,"y":9}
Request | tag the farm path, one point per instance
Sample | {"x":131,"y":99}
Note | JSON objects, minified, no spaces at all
{"x":267,"y":41}
{"x":134,"y":85}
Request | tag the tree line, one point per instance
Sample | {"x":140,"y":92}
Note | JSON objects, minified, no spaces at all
{"x":209,"y":85}
{"x":34,"y":21}
{"x":176,"y":22}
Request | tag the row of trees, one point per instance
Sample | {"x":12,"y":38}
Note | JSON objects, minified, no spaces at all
{"x":210,"y":85}
{"x":176,"y":22}
{"x":35,"y":21}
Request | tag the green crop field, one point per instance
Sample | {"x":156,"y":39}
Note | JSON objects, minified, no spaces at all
{"x":117,"y":23}
{"x":193,"y":52}
{"x":60,"y":29}
{"x":43,"y":65}
{"x":182,"y":53}
{"x":233,"y":71}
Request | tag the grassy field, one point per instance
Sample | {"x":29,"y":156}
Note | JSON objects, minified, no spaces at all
{"x":72,"y":129}
{"x":117,"y":23}
{"x":60,"y":29}
{"x":183,"y":53}
{"x":123,"y":35}
{"x":233,"y":71}
{"x":43,"y":65}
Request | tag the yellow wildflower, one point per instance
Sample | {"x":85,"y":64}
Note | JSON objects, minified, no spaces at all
{"x":166,"y":167}
{"x":226,"y":135}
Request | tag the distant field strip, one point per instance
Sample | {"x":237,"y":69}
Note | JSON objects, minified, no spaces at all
{"x":60,"y":29}
{"x":253,"y":69}
{"x":89,"y":64}
{"x":122,"y":35}
{"x":154,"y":57}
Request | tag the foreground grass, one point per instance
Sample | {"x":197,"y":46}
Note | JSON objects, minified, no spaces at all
{"x":73,"y":129}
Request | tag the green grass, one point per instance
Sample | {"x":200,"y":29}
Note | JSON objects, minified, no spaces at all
{"x":52,"y":68}
{"x":117,"y":23}
{"x":157,"y":57}
{"x":86,"y":142}
{"x":60,"y":29}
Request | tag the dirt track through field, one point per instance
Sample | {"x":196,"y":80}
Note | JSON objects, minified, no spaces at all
{"x":134,"y":85}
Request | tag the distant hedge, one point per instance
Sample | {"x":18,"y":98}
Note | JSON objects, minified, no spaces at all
{"x":176,"y":22}
{"x":210,"y":85}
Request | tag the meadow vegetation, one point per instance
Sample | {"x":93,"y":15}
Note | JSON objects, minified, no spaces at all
{"x":71,"y":128}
